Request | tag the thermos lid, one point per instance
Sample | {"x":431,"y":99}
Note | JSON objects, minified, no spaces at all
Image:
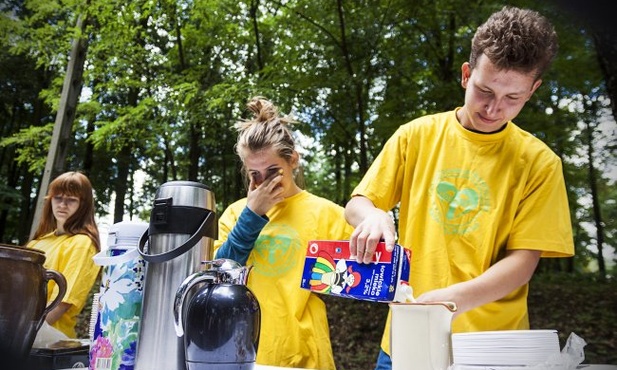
{"x":126,"y":234}
{"x":220,"y":264}
{"x":183,"y":183}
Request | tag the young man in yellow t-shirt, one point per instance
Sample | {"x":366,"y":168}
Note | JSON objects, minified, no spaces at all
{"x":481,"y":200}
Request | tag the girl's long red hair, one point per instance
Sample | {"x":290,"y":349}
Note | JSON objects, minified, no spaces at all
{"x":78,"y":185}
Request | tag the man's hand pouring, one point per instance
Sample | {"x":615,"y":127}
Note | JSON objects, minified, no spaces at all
{"x":372,"y":225}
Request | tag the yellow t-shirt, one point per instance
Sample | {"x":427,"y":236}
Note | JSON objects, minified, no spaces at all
{"x":294,"y":325}
{"x":465,"y":198}
{"x":72,"y":257}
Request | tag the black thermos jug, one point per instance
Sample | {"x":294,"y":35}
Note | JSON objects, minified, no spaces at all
{"x":221,"y":320}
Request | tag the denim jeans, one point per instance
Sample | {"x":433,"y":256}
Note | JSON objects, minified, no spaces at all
{"x":383,"y":361}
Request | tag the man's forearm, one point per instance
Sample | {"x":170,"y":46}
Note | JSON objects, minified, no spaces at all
{"x":356,"y":209}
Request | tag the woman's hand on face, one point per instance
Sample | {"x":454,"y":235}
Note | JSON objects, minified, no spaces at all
{"x":262,"y":197}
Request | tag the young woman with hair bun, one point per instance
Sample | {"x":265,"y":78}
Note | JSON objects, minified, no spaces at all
{"x":270,"y":229}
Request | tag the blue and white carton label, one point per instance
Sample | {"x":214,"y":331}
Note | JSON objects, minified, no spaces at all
{"x":330,"y":269}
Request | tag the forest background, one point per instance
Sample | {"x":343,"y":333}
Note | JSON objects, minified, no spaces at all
{"x":159,"y":85}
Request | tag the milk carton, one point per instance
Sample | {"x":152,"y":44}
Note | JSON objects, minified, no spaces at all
{"x":329,"y":269}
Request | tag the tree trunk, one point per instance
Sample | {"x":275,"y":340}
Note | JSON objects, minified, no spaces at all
{"x":89,"y":154}
{"x":124,"y":160}
{"x":606,"y":47}
{"x":65,"y":116}
{"x":597,"y":213}
{"x":596,"y":16}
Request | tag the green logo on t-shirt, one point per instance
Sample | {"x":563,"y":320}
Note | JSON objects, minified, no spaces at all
{"x":458,"y":197}
{"x":276,"y":250}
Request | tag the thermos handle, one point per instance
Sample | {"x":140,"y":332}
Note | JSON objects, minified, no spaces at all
{"x":102,"y":259}
{"x":167,"y":256}
{"x":61,"y":282}
{"x":186,"y":285}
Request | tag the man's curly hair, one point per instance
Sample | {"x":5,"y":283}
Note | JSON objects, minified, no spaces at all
{"x":516,"y":39}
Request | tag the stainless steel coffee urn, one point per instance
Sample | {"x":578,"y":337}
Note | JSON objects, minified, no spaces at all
{"x":180,"y":236}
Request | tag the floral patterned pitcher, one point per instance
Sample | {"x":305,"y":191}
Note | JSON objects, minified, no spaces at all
{"x":116,"y":331}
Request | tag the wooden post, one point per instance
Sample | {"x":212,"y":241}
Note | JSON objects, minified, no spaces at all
{"x":56,"y":157}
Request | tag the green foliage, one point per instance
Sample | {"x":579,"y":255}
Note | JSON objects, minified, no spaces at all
{"x":165,"y":81}
{"x":10,"y":195}
{"x":32,"y":144}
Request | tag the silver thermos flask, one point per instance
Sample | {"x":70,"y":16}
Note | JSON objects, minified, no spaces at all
{"x":180,"y":236}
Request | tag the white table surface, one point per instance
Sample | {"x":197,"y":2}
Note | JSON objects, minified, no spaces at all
{"x":257,"y":367}
{"x":580,"y":367}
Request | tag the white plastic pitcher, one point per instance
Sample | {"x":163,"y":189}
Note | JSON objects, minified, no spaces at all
{"x":420,"y":335}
